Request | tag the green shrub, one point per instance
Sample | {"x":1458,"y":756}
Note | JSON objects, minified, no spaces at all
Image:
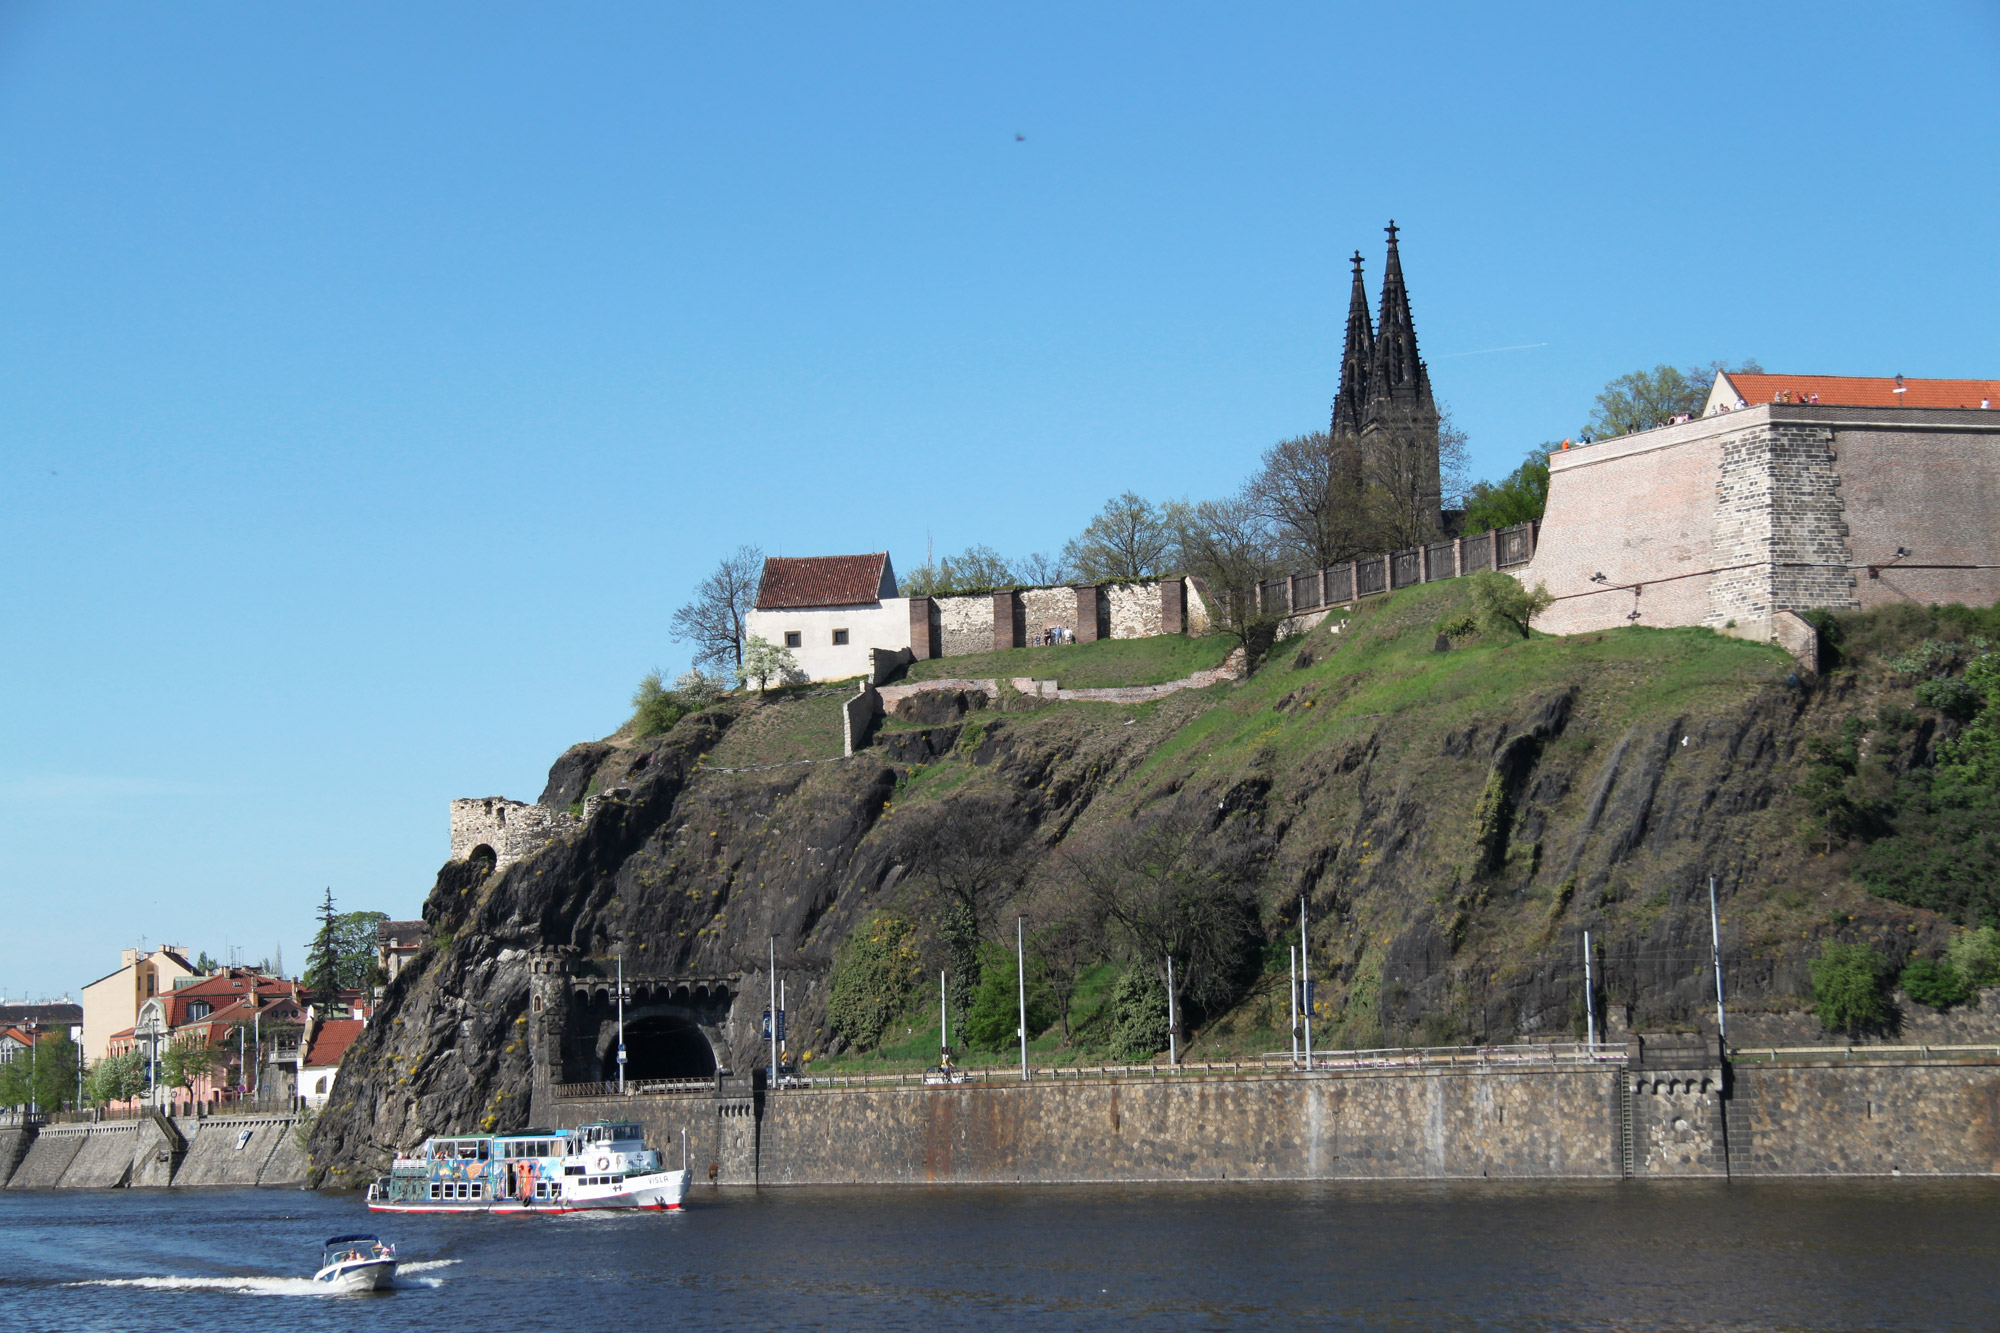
{"x":1976,"y":956}
{"x":1461,"y":626}
{"x":1935,"y":982}
{"x":1847,"y":987}
{"x":1505,"y":605}
{"x":1952,"y":697}
{"x":1139,"y":1015}
{"x":655,"y":707}
{"x":996,"y":1005}
{"x":874,"y":975}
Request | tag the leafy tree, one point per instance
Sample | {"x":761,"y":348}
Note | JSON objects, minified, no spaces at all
{"x":342,"y":955}
{"x":1505,"y":605}
{"x":1228,"y":545}
{"x":700,"y":689}
{"x":714,"y":621}
{"x":1129,"y":540}
{"x":1942,"y":851}
{"x":765,"y":662}
{"x":1518,"y":497}
{"x":1973,"y":756}
{"x":43,"y":1076}
{"x":115,"y":1078}
{"x":994,"y":1021}
{"x":974,"y":570}
{"x":1935,"y":982}
{"x":1647,"y":398}
{"x":1847,"y":987}
{"x":1138,"y":1006}
{"x":875,"y":972}
{"x":204,"y":964}
{"x":185,"y":1061}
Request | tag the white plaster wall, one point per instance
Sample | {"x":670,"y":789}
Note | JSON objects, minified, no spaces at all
{"x":884,"y":624}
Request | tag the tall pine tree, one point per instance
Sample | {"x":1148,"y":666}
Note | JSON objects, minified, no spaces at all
{"x":323,"y":960}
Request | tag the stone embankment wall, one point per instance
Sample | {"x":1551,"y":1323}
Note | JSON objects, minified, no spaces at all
{"x":155,"y":1151}
{"x":512,"y":829}
{"x":1651,"y":1118}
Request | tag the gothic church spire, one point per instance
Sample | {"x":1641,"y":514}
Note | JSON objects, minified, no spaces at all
{"x":1351,"y":403}
{"x":1397,"y":373}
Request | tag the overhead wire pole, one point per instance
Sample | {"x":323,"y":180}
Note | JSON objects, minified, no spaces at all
{"x":1715,"y":945}
{"x":1173,"y":1039}
{"x":1021,"y":981}
{"x":774,"y":1011}
{"x":1305,"y":983}
{"x":1293,"y":954}
{"x":1589,"y":999}
{"x":621,"y":1020}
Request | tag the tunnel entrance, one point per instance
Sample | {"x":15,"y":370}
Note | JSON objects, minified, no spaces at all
{"x":660,"y":1046}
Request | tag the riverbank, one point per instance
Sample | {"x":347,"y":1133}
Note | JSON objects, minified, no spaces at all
{"x":153,"y":1151}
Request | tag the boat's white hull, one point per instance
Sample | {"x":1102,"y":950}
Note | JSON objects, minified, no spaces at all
{"x":362,"y":1275}
{"x":663,"y":1191}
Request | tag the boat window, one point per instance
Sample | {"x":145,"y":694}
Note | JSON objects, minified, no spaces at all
{"x":477,"y":1189}
{"x":434,"y":1189}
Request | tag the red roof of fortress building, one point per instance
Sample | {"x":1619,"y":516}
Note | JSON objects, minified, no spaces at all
{"x":1865,"y":391}
{"x":824,"y":580}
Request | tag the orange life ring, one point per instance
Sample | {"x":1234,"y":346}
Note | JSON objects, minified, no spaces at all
{"x":603,"y":1163}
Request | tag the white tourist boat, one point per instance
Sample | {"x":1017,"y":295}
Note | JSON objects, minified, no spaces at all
{"x":605,"y":1165}
{"x":356,"y":1263}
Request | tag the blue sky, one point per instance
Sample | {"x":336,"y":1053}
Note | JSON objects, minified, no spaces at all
{"x":376,"y":379}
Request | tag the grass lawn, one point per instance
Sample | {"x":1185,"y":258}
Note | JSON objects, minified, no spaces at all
{"x":784,"y":728}
{"x":1152,"y":661}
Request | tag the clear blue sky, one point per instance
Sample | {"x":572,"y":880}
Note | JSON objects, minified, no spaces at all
{"x":375,"y":380}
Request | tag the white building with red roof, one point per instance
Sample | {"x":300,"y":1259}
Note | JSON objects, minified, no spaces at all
{"x":831,"y":611}
{"x":322,"y":1061}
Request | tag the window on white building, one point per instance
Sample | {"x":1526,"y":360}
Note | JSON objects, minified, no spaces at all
{"x":840,"y":638}
{"x":793,"y":639}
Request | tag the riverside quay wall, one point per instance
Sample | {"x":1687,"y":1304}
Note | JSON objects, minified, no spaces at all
{"x":152,"y":1150}
{"x":1662,"y":1109}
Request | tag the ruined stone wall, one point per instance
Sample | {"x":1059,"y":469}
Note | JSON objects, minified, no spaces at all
{"x":513,"y":829}
{"x":1046,"y":608}
{"x":965,"y":624}
{"x":1134,"y":609}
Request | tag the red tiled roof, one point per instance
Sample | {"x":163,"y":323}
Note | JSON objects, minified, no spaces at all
{"x":824,"y":580}
{"x":332,"y":1040}
{"x":1865,"y":391}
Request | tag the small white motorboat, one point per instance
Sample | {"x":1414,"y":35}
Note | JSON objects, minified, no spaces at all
{"x":357,"y":1263}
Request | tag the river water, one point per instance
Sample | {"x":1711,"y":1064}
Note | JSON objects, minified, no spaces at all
{"x":1766,"y":1255}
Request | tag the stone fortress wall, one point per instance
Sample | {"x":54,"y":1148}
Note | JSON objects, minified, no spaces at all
{"x":153,"y":1151}
{"x":1731,"y":521}
{"x":511,"y":829}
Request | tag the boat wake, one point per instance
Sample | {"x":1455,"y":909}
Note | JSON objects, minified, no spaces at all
{"x":409,"y":1277}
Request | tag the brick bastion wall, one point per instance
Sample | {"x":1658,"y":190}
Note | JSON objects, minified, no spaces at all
{"x":1780,"y":507}
{"x":1665,"y":1114}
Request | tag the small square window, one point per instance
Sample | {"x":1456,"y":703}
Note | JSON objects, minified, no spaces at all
{"x":840,"y":638}
{"x":793,"y":639}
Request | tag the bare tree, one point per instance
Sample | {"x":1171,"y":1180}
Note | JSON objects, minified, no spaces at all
{"x":1176,"y":883}
{"x":1043,"y":571}
{"x":714,"y":622}
{"x":1228,"y":545}
{"x":1068,"y":938}
{"x":1310,"y":489}
{"x":1129,"y":540}
{"x":966,"y":857}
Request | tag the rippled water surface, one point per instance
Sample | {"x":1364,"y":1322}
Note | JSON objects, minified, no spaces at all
{"x":1889,"y":1254}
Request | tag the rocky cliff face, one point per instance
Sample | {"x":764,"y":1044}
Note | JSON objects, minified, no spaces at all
{"x":1453,"y":822}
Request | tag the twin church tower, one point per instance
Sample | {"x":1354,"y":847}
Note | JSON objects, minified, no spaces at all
{"x":1385,"y":422}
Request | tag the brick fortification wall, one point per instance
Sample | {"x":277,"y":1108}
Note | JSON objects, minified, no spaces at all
{"x":1782,"y":507}
{"x":513,"y":829}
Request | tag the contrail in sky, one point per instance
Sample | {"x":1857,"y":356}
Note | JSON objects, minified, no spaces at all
{"x":1518,"y":347}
